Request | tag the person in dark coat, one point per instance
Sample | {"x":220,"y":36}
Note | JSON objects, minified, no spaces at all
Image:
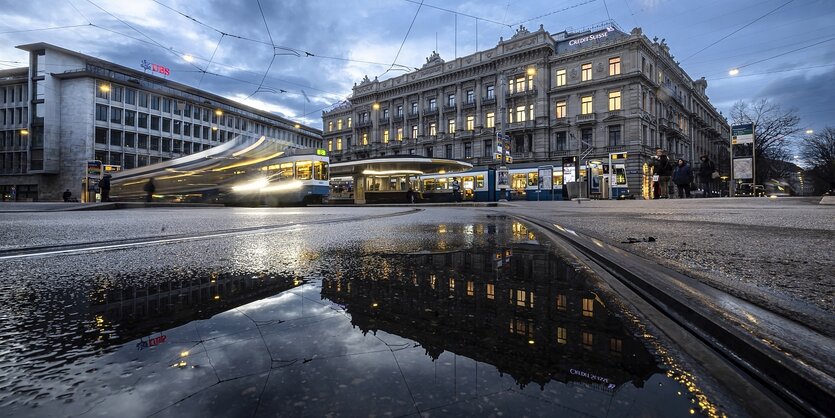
{"x":410,"y":196}
{"x":706,"y":175}
{"x":663,"y":168}
{"x":149,"y":190}
{"x":67,"y":195}
{"x":682,"y":177}
{"x":104,"y":185}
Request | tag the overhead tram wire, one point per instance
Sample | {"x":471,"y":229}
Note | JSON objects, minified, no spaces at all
{"x":454,"y":12}
{"x":785,"y":53}
{"x":404,"y":39}
{"x":709,"y":78}
{"x":44,"y":29}
{"x":573,"y":6}
{"x":741,"y":28}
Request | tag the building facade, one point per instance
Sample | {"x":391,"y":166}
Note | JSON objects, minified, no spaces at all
{"x":585,"y":94}
{"x":67,"y":108}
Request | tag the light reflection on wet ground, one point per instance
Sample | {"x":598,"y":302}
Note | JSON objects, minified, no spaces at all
{"x":480,"y":319}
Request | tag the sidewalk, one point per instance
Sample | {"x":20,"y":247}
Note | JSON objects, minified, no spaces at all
{"x":776,"y":253}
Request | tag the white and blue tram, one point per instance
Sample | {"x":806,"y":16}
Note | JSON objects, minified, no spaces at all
{"x":242,"y":171}
{"x":480,"y":185}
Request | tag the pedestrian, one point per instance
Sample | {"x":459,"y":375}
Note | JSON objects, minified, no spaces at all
{"x":13,"y":194}
{"x":682,"y":176}
{"x":706,"y":171}
{"x":663,"y":168}
{"x":104,"y":186}
{"x":67,"y":195}
{"x":149,"y":190}
{"x":410,"y":195}
{"x":456,"y":190}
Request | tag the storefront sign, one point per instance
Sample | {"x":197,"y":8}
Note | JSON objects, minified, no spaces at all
{"x":155,"y":68}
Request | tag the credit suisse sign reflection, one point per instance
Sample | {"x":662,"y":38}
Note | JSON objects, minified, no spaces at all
{"x":155,"y":68}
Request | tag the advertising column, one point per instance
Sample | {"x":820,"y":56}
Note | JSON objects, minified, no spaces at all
{"x":743,"y":168}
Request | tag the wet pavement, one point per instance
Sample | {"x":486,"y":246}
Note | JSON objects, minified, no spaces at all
{"x":437,"y":313}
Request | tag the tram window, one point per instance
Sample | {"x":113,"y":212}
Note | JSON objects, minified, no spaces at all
{"x":557,"y":178}
{"x":320,"y":170}
{"x":479,"y":181}
{"x":286,"y":171}
{"x":518,"y":181}
{"x":304,"y":170}
{"x":533,"y":179}
{"x":429,"y":185}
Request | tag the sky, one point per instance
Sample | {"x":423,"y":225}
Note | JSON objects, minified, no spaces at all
{"x":298,"y":57}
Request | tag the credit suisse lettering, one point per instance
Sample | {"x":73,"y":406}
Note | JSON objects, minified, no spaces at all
{"x":592,"y":37}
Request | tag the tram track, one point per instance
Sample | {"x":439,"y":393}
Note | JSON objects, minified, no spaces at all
{"x":769,"y":364}
{"x":109,"y":245}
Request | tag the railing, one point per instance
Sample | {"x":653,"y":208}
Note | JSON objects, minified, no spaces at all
{"x":468,"y":105}
{"x":588,"y":117}
{"x":521,"y":125}
{"x":430,"y":110}
{"x":488,"y":100}
{"x":559,"y":121}
{"x":413,"y":115}
{"x":614,"y":114}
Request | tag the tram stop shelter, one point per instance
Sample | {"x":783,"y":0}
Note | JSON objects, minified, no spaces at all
{"x":388,"y":179}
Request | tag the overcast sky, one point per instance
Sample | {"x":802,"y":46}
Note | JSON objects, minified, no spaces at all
{"x":785,"y":49}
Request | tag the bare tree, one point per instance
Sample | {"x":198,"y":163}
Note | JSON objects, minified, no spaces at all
{"x":773,"y":130}
{"x":819,"y":152}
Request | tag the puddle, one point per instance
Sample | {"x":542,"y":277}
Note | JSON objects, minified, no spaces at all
{"x":483,"y":320}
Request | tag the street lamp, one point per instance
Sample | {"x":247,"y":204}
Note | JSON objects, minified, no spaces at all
{"x":375,"y":106}
{"x":218,"y":112}
{"x":24,"y":132}
{"x":188,"y":58}
{"x":810,"y":131}
{"x":503,"y":172}
{"x":733,"y":71}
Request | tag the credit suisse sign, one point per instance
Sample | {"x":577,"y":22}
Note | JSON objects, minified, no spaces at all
{"x":591,"y":37}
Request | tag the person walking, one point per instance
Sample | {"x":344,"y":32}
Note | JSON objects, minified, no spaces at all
{"x":104,"y":186}
{"x":663,"y":168}
{"x":67,"y":195}
{"x":456,"y":190}
{"x":149,"y":190}
{"x":410,"y":195}
{"x":682,"y":176}
{"x":706,"y":171}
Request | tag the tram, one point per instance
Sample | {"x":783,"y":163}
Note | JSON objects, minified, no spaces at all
{"x":480,"y":185}
{"x":242,"y":171}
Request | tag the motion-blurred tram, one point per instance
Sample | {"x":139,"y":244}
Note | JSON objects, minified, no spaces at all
{"x":243,"y":171}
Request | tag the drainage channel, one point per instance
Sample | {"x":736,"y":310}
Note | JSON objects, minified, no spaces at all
{"x":742,"y":345}
{"x":65,"y":249}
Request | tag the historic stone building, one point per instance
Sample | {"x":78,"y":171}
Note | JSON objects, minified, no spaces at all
{"x":585,"y":94}
{"x":68,"y":108}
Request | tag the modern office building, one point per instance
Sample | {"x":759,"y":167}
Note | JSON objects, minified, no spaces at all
{"x":67,"y":108}
{"x":576,"y":96}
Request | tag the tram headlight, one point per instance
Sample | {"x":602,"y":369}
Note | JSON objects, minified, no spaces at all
{"x":283,"y":187}
{"x":250,"y":186}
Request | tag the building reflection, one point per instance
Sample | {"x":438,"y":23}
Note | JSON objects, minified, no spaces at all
{"x":139,"y":311}
{"x":519,"y":308}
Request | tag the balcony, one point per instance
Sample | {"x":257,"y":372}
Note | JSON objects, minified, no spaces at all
{"x":448,"y":108}
{"x":397,"y":118}
{"x":430,"y":111}
{"x":617,"y":114}
{"x":523,"y":93}
{"x":384,"y":120}
{"x":587,"y":118}
{"x":363,"y":124}
{"x":413,"y":115}
{"x":515,"y":126}
{"x":488,"y":100}
{"x":560,"y":122}
{"x":469,"y":105}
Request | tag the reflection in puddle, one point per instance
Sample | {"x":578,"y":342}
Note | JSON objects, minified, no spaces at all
{"x":488,"y":323}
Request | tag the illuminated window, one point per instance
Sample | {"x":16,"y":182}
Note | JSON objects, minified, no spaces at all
{"x":520,"y":114}
{"x":349,"y":122}
{"x":561,"y":109}
{"x":586,"y":107}
{"x":522,"y":298}
{"x":588,"y":307}
{"x":339,"y":124}
{"x":330,"y":145}
{"x":519,"y":85}
{"x":588,"y":340}
{"x":562,"y":335}
{"x":521,"y":326}
{"x":432,"y":281}
{"x":530,"y":82}
{"x":470,"y":123}
{"x":491,"y":291}
{"x":399,"y":134}
{"x":491,"y":120}
{"x":339,"y":144}
{"x":470,"y":288}
{"x":615,"y":345}
{"x":386,"y":136}
{"x":530,"y":112}
{"x":614,"y":66}
{"x":586,"y":72}
{"x":561,"y":79}
{"x":414,"y":131}
{"x":614,"y":100}
{"x":330,"y":126}
{"x":433,"y":129}
{"x":365,"y":138}
{"x":451,"y":285}
{"x":561,"y":302}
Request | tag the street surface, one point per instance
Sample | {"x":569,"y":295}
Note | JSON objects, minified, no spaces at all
{"x":378,"y":310}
